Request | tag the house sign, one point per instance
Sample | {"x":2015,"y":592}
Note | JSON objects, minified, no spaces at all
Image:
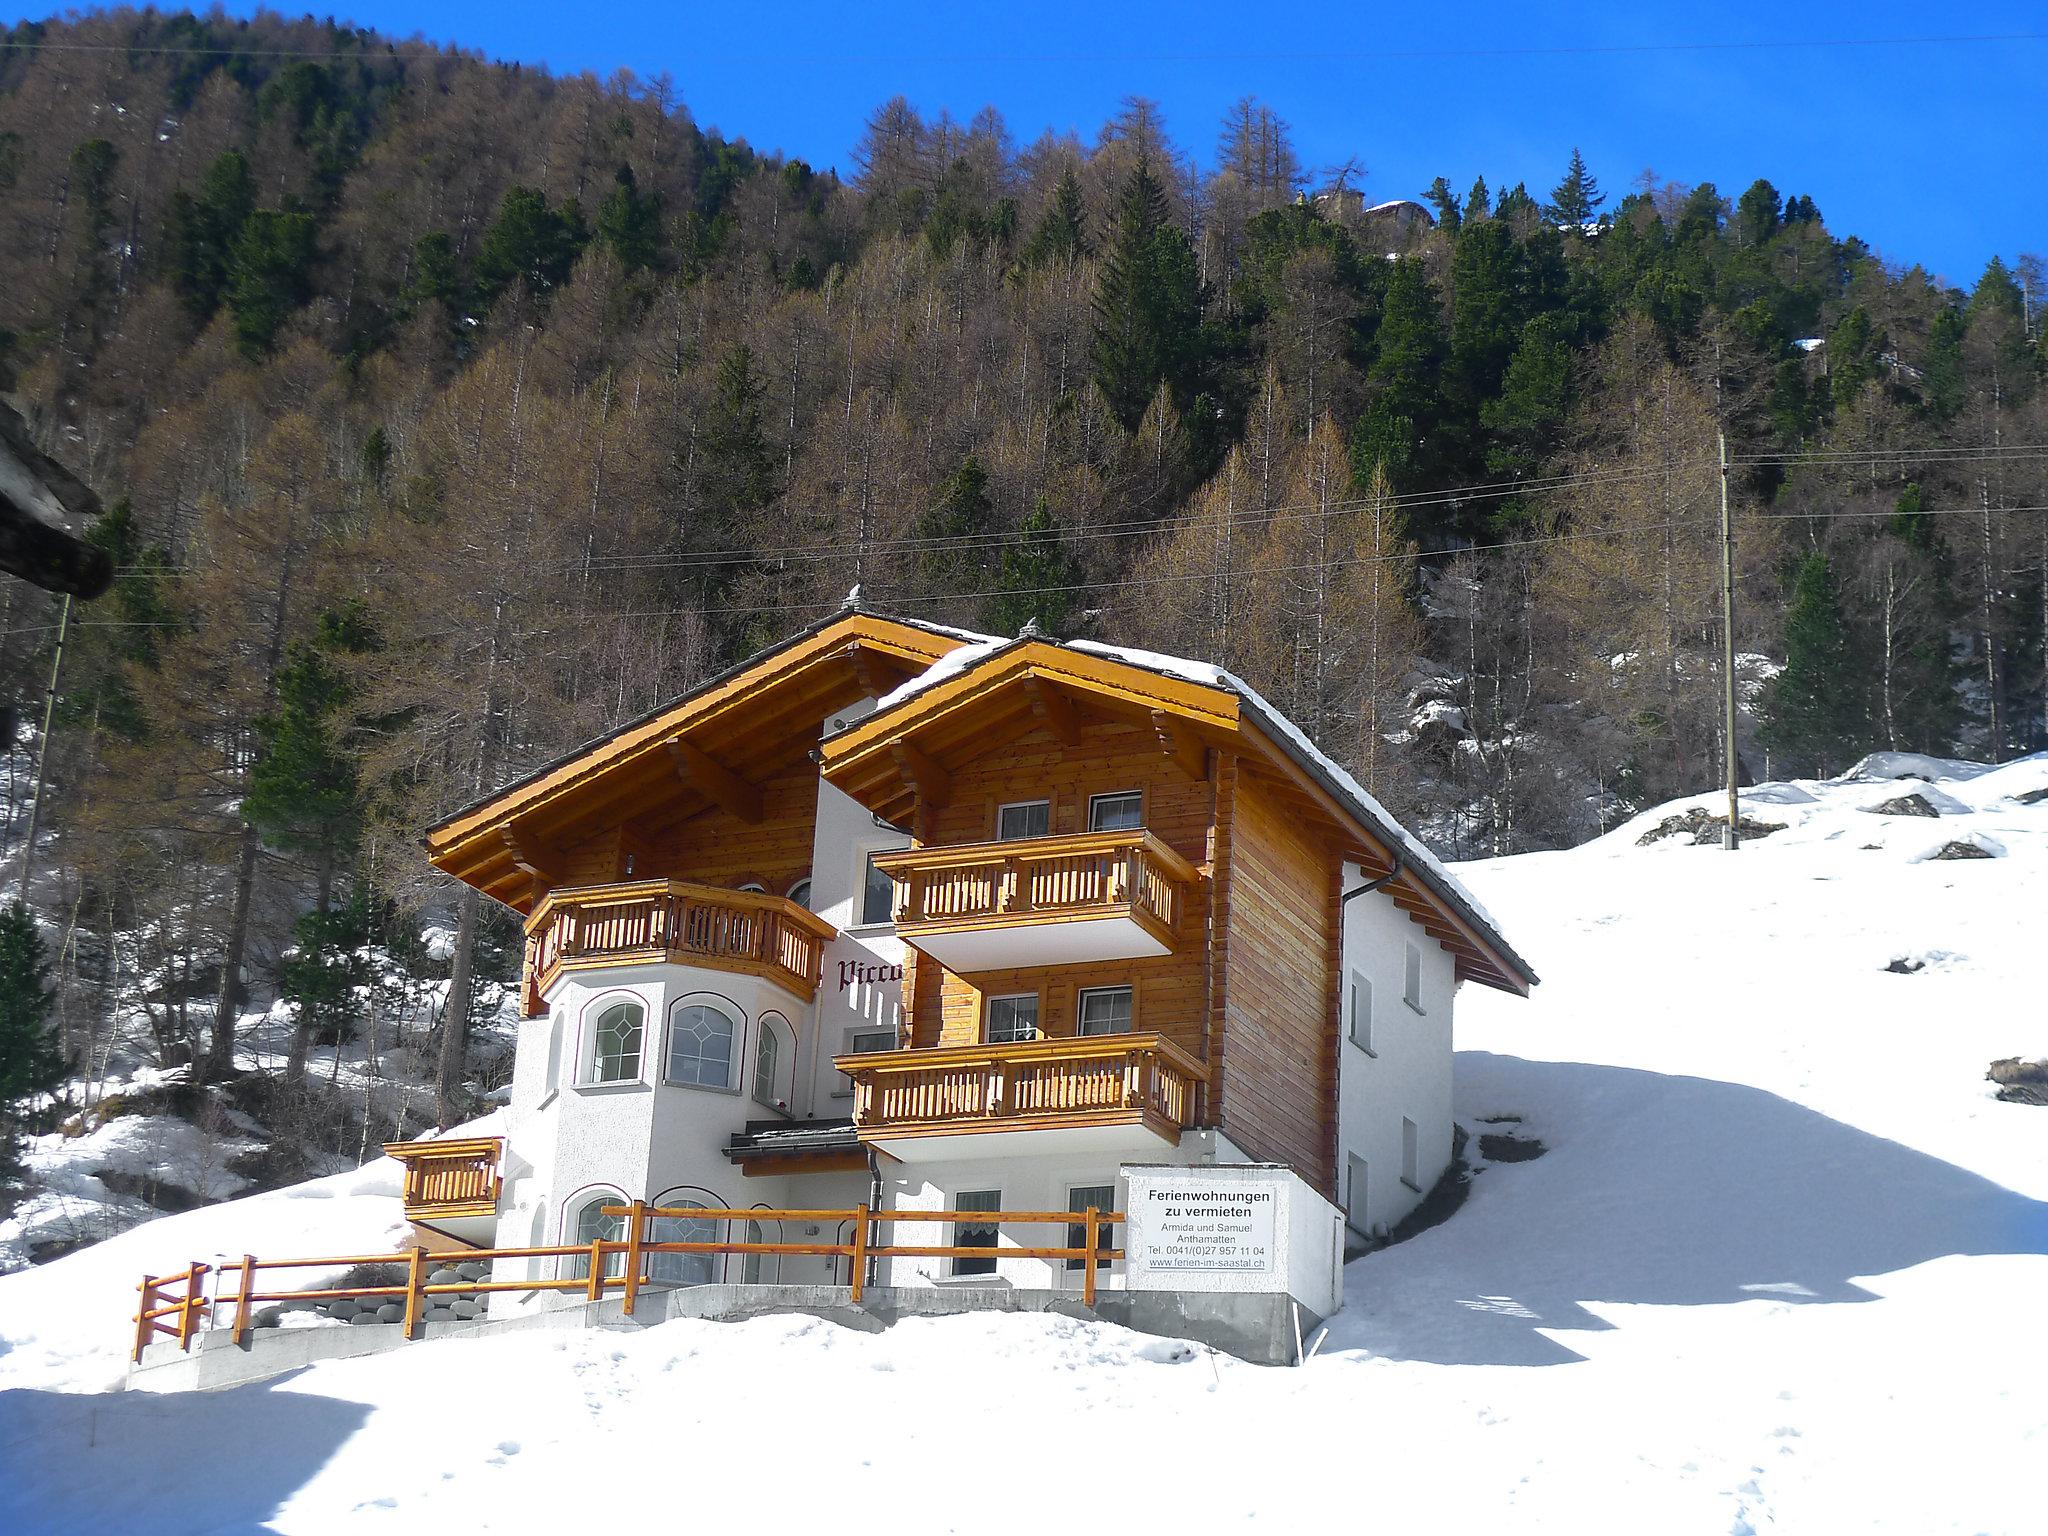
{"x":1186,"y":1221}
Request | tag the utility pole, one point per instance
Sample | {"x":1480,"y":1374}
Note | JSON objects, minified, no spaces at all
{"x":1731,"y":838}
{"x":35,"y":805}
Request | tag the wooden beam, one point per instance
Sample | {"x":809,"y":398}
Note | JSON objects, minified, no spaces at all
{"x":701,"y":771}
{"x":934,"y":784}
{"x":1180,"y":745}
{"x":529,"y":852}
{"x":1054,"y":709}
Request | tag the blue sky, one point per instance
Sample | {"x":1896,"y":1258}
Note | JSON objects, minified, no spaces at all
{"x":1932,"y":151}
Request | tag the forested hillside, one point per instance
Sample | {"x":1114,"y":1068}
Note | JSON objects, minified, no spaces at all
{"x":451,"y":413}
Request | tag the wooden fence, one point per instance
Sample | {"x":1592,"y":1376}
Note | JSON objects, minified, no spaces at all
{"x":180,"y":1305}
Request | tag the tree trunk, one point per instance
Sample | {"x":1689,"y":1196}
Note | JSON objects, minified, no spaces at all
{"x":220,"y":1059}
{"x":455,"y":1012}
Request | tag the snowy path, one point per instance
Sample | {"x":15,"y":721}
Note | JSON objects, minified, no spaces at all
{"x":1781,"y":1270}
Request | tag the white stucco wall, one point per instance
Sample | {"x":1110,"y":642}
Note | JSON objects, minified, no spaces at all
{"x":1408,"y":1073}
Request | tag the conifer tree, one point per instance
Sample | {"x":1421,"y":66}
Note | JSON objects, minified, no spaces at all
{"x":1573,"y":200}
{"x":1062,"y":233}
{"x":1405,"y":380}
{"x":270,"y":275}
{"x":629,"y":223}
{"x":1148,"y":305}
{"x":1035,"y":577}
{"x":1445,"y":201}
{"x":957,"y":525}
{"x":30,"y":1062}
{"x":1815,"y":711}
{"x":1478,"y":202}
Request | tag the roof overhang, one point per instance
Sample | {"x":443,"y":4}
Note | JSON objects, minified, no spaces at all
{"x":708,"y":749}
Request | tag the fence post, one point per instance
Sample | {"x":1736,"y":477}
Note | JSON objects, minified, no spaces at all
{"x":193,"y":1305}
{"x":596,"y":1290}
{"x":145,"y":1325}
{"x":415,"y":1291}
{"x":634,"y":1222}
{"x":859,"y":1275}
{"x":1088,"y":1261}
{"x":244,"y":1298}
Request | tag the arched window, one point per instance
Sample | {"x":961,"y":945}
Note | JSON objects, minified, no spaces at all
{"x":682,"y":1268}
{"x":774,"y":1062}
{"x":554,"y":1061}
{"x":591,"y":1224}
{"x":800,"y":893}
{"x":762,"y":1268}
{"x":700,"y":1045}
{"x":615,"y":1040}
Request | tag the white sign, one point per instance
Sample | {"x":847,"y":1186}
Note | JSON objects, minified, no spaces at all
{"x":1194,"y":1223}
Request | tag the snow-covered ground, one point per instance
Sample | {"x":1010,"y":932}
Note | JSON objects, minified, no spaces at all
{"x":1782,"y":1269}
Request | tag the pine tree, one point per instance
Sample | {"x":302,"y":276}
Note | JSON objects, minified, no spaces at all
{"x":1815,"y":712}
{"x":957,"y":527}
{"x":1148,"y":306}
{"x":270,"y":275}
{"x":1445,"y":201}
{"x":1405,"y":380}
{"x":629,"y":223}
{"x":1478,"y":202}
{"x":1035,"y":578}
{"x":1062,"y":233}
{"x":528,"y":242}
{"x":30,"y":1063}
{"x":1573,"y":200}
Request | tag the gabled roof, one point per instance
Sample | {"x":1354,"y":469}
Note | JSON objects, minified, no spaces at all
{"x":987,"y":691}
{"x":712,"y":746}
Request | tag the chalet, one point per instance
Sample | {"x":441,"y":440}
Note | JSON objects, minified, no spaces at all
{"x":898,"y":917}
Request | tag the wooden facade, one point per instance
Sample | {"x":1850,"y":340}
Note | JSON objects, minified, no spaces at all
{"x":1224,"y":858}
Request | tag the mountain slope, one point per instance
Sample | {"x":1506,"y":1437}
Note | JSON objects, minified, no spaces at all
{"x":1780,"y":1268}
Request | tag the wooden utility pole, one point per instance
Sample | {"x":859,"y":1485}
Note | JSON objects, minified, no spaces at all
{"x":1731,"y":838}
{"x":35,"y":805}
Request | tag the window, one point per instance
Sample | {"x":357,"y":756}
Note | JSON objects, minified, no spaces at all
{"x":1411,"y":986}
{"x":1012,"y":1018}
{"x":1079,"y":1198}
{"x":760,"y":1268}
{"x":1027,"y":818}
{"x":770,"y":1051}
{"x":590,"y":1225}
{"x":554,"y":1061}
{"x":800,"y":893}
{"x":863,"y":1042}
{"x":976,"y":1234}
{"x":756,"y":887}
{"x":1120,"y":812}
{"x":1355,"y":1188}
{"x":700,"y":1046}
{"x":682,"y":1268}
{"x":1104,"y":1011}
{"x":877,"y":896}
{"x":615,"y":1043}
{"x":1408,"y":1173}
{"x":1361,"y":1013}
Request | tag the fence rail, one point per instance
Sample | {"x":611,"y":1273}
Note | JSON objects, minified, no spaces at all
{"x":181,"y":1306}
{"x":673,"y":920}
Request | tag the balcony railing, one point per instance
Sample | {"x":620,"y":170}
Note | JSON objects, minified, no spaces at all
{"x":651,"y":921}
{"x":1089,"y":875}
{"x":1030,"y":1084}
{"x":452,"y":1178}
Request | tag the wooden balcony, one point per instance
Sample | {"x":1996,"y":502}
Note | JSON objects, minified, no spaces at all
{"x":673,"y":922}
{"x":451,"y":1179}
{"x":1041,"y":900}
{"x":1125,"y":1092}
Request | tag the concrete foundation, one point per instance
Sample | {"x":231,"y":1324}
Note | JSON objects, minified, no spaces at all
{"x":1257,"y":1327}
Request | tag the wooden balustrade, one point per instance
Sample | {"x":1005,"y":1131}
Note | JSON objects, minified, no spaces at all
{"x":1086,"y":1080}
{"x":450,"y":1178}
{"x":1041,"y":879}
{"x":677,"y":922}
{"x":181,"y":1307}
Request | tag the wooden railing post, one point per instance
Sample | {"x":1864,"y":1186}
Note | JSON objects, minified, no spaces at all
{"x":415,"y":1291}
{"x":194,"y":1304}
{"x":244,"y":1299}
{"x":145,"y":1325}
{"x":636,"y":1220}
{"x":1088,"y":1263}
{"x":595,"y":1291}
{"x":859,"y":1275}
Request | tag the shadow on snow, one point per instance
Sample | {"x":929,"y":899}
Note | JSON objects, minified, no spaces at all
{"x":138,"y":1462}
{"x":1670,"y":1191}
